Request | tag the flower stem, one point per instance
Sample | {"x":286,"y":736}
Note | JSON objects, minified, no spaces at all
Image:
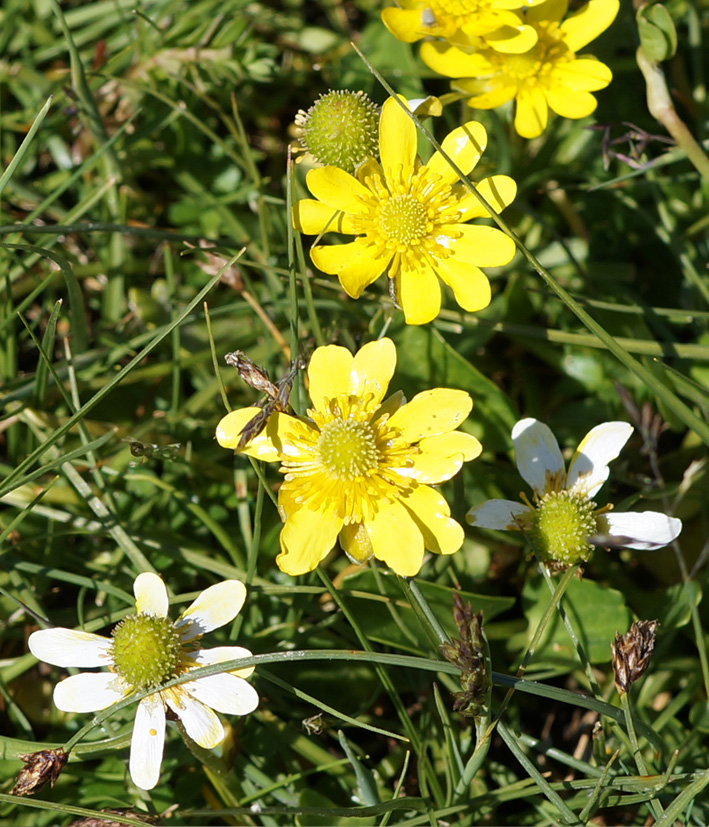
{"x":654,"y":805}
{"x":660,"y":105}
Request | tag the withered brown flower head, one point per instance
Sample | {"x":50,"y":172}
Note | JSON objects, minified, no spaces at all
{"x":631,"y":653}
{"x":39,"y":768}
{"x":468,"y":654}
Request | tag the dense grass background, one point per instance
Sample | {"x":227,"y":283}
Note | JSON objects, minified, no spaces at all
{"x":144,"y":147}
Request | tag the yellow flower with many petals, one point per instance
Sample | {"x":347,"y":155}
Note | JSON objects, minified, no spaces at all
{"x":360,"y":469}
{"x":493,"y":24}
{"x":410,"y":219}
{"x":549,"y":76}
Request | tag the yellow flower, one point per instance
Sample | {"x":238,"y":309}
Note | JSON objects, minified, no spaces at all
{"x":465,"y":23}
{"x":410,"y":219}
{"x":359,"y":469}
{"x":549,"y":76}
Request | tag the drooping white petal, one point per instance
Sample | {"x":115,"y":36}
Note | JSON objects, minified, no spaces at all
{"x":201,"y":724}
{"x":588,"y":469}
{"x":538,"y":456}
{"x":642,"y":530}
{"x":147,"y":743}
{"x":150,"y":595}
{"x":216,"y":606}
{"x":221,"y":654}
{"x":499,"y":514}
{"x":224,"y":692}
{"x":89,"y":692}
{"x":69,"y":647}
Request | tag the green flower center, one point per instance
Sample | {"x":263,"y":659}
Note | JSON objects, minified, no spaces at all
{"x":348,"y":449}
{"x":146,"y":650}
{"x":563,"y":522}
{"x":340,"y":129}
{"x":404,"y":219}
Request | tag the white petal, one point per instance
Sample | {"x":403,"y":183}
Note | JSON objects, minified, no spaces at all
{"x":216,"y":606}
{"x":538,"y":456}
{"x":224,"y":692}
{"x":588,"y":469}
{"x":147,"y":743}
{"x":150,"y":595}
{"x":221,"y":654}
{"x":201,"y":724}
{"x":498,"y":514}
{"x":89,"y":692}
{"x":642,"y":530}
{"x":69,"y":647}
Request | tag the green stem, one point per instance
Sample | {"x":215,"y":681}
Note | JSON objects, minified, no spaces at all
{"x":653,"y":804}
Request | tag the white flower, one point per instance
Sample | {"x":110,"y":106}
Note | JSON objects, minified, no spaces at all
{"x":146,"y":649}
{"x":563,"y":522}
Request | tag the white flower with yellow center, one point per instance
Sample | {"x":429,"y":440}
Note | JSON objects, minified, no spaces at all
{"x":360,"y":469}
{"x":147,"y":649}
{"x":562,"y":521}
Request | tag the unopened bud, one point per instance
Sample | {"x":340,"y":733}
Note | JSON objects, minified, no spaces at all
{"x":631,"y":653}
{"x":39,"y":768}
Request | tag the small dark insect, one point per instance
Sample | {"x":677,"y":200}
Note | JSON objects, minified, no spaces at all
{"x":149,"y":450}
{"x":277,"y":394}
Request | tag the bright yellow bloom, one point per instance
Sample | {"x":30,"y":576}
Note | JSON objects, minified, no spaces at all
{"x":549,"y":76}
{"x":465,"y":23}
{"x":359,"y":469}
{"x":410,"y":219}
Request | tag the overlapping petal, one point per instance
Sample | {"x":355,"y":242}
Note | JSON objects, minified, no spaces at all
{"x":221,"y":654}
{"x":441,"y":456}
{"x":372,"y":369}
{"x":498,"y":514}
{"x":469,"y":284}
{"x":357,"y":264}
{"x":306,"y":539}
{"x":430,"y":511}
{"x":484,"y":246}
{"x":397,"y":142}
{"x":397,"y":539}
{"x":200,"y":722}
{"x":230,"y":428}
{"x":419,"y":294}
{"x":464,"y":146}
{"x":224,"y":692}
{"x":337,"y":189}
{"x":588,"y":22}
{"x":498,"y":190}
{"x":313,"y":217}
{"x":432,"y":412}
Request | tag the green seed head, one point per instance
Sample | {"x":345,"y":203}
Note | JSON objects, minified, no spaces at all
{"x":563,"y":522}
{"x":340,"y":129}
{"x":146,"y":650}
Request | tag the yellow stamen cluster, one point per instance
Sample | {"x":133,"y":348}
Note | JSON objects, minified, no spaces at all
{"x":353,"y":460}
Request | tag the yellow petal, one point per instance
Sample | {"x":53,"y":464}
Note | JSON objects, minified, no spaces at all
{"x":314,"y":217}
{"x":570,"y":104}
{"x":431,"y":412}
{"x":329,"y":373}
{"x":337,"y":188}
{"x":404,"y":24}
{"x":356,"y":264}
{"x":372,"y":369}
{"x":483,"y":246}
{"x":442,"y":456}
{"x":397,"y":142}
{"x":355,"y":542}
{"x":588,"y":22}
{"x":583,"y":75}
{"x":306,"y":539}
{"x":441,"y":533}
{"x":463,"y":146}
{"x":531,"y":114}
{"x":469,"y":284}
{"x":499,"y":191}
{"x":488,"y":94}
{"x":454,"y":63}
{"x":396,"y":539}
{"x":548,"y":11}
{"x":229,"y":432}
{"x":419,"y":295}
{"x":512,"y":40}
